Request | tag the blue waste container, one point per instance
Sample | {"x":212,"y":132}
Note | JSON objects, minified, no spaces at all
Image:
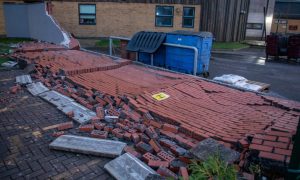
{"x":181,"y":59}
{"x":158,"y":57}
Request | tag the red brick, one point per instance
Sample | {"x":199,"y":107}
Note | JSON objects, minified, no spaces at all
{"x":135,"y":137}
{"x":64,"y":126}
{"x":272,"y":156}
{"x":269,"y":138}
{"x":86,"y":128}
{"x":284,"y":139}
{"x":185,"y":159}
{"x":99,"y":125}
{"x":283,"y":151}
{"x":184,"y":173}
{"x":168,"y":134}
{"x":170,"y":128}
{"x":100,"y":112}
{"x":155,"y":124}
{"x":276,"y":144}
{"x":279,"y":133}
{"x":70,"y":114}
{"x":155,"y":145}
{"x":99,"y":134}
{"x":95,"y":120}
{"x":130,"y":150}
{"x":108,"y":128}
{"x":145,"y":138}
{"x":166,"y":172}
{"x":157,"y":163}
{"x":165,"y":156}
{"x":261,"y":147}
{"x":57,"y":134}
{"x":257,"y":141}
{"x":118,"y":133}
{"x":143,"y":147}
{"x":127,"y":136}
{"x":166,"y":143}
{"x":151,"y":133}
{"x":148,"y":156}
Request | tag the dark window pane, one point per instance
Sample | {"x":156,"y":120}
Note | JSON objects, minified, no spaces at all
{"x":188,"y":22}
{"x":164,"y":11}
{"x":87,"y":19}
{"x":187,"y":11}
{"x":257,"y":26}
{"x":164,"y":21}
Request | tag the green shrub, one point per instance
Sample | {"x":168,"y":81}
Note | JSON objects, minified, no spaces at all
{"x":212,"y":168}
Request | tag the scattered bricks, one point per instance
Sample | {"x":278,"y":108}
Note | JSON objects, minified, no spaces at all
{"x":99,"y":134}
{"x":166,"y":142}
{"x":283,"y":151}
{"x":155,"y":124}
{"x":185,"y":159}
{"x":145,"y":138}
{"x":95,"y":120}
{"x":261,"y":147}
{"x":158,"y":163}
{"x":100,"y":112}
{"x":273,"y":156}
{"x":177,"y":150}
{"x":150,"y":131}
{"x":134,"y":116}
{"x":276,"y":144}
{"x":141,"y":128}
{"x":14,"y":89}
{"x":99,"y":125}
{"x":165,"y":156}
{"x":184,"y":173}
{"x":101,"y":101}
{"x":243,"y":143}
{"x":64,"y":126}
{"x":118,"y":133}
{"x":170,"y":128}
{"x":121,"y":126}
{"x":130,"y":150}
{"x":57,"y":134}
{"x":168,"y":134}
{"x":108,"y":99}
{"x":70,"y":114}
{"x":184,"y":142}
{"x":166,"y":172}
{"x":86,"y":128}
{"x":148,"y":156}
{"x":147,"y":117}
{"x":155,"y":145}
{"x":132,"y":131}
{"x":108,"y":128}
{"x":143,"y":147}
{"x":113,"y":112}
{"x":284,"y":139}
{"x":135,"y":137}
{"x":127,"y":136}
{"x":89,"y":106}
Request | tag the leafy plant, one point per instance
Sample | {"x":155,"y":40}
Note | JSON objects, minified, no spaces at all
{"x":212,"y":168}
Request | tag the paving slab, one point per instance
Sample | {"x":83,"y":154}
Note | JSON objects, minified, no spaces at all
{"x":23,"y":79}
{"x":36,"y":88}
{"x":56,"y":98}
{"x":87,"y":145}
{"x":129,"y":167}
{"x":81,"y":114}
{"x":210,"y":147}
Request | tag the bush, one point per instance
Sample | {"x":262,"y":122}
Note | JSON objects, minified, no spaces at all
{"x":212,"y":168}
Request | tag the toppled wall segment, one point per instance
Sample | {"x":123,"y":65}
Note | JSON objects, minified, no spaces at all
{"x":33,"y":21}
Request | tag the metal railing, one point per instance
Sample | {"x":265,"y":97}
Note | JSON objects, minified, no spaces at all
{"x":165,"y":44}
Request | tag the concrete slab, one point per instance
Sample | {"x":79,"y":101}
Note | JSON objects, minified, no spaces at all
{"x":36,"y":88}
{"x":23,"y":79}
{"x":128,"y":167}
{"x":210,"y":147}
{"x":81,"y":114}
{"x":56,"y":98}
{"x":87,"y":145}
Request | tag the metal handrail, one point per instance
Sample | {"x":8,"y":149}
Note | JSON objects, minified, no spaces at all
{"x":165,"y":44}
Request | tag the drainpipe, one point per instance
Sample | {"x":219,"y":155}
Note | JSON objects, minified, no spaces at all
{"x":188,"y":47}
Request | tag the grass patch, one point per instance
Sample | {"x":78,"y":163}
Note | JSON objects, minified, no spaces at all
{"x":229,"y":45}
{"x":4,"y":49}
{"x":105,"y":43}
{"x":212,"y":168}
{"x":3,"y":59}
{"x":13,"y":40}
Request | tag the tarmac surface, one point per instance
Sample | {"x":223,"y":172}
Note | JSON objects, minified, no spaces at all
{"x":283,"y":76}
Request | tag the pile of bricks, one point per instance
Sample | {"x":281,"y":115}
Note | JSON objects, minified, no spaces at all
{"x":162,"y":132}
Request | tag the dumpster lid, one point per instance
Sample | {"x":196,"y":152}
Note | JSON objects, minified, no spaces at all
{"x":192,"y":33}
{"x":144,"y":41}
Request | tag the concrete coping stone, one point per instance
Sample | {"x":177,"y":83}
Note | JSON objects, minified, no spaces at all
{"x":87,"y":145}
{"x":23,"y":79}
{"x":129,"y":167}
{"x":36,"y":88}
{"x":56,"y":98}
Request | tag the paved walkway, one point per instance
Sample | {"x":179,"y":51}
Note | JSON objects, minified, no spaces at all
{"x":25,"y":133}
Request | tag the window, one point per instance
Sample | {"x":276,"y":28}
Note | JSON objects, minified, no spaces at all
{"x":188,"y":17}
{"x":164,"y":16}
{"x":257,"y":26}
{"x":87,"y":14}
{"x":293,"y":27}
